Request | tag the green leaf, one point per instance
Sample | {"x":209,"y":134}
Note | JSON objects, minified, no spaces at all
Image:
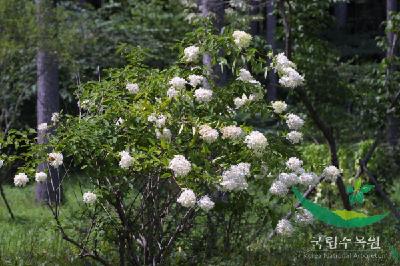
{"x":349,"y":189}
{"x":359,"y":197}
{"x":367,"y":188}
{"x":357,"y":184}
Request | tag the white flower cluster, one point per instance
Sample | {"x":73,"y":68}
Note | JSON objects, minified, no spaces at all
{"x":42,"y":127}
{"x":239,"y":102}
{"x":289,"y":77}
{"x":159,"y":120}
{"x":177,"y":83}
{"x":331,"y":173}
{"x":303,"y":216}
{"x":203,"y":95}
{"x":195,"y":80}
{"x":294,"y":164}
{"x":235,"y":177}
{"x":231,"y":132}
{"x":245,"y":76}
{"x":120,"y":121}
{"x":278,"y":188}
{"x":191,"y":53}
{"x":180,"y":165}
{"x":208,"y":134}
{"x":55,"y":117}
{"x":205,"y":203}
{"x":126,"y":160}
{"x":89,"y":197}
{"x":21,"y":179}
{"x":279,"y":107}
{"x":241,"y":39}
{"x":256,"y":141}
{"x":187,"y":199}
{"x":309,"y":179}
{"x":1,"y":163}
{"x":40,"y":177}
{"x":165,"y":134}
{"x":288,"y":179}
{"x":294,"y":137}
{"x":132,"y":88}
{"x":172,"y":92}
{"x":294,"y":122}
{"x":284,"y":227}
{"x":55,"y":159}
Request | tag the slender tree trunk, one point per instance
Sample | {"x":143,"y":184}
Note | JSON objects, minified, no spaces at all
{"x":254,"y":11}
{"x":393,"y":133}
{"x":271,"y":22}
{"x":341,"y":14}
{"x":218,"y":8}
{"x":47,"y":94}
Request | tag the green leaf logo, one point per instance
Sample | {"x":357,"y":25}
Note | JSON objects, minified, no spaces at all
{"x":337,"y":218}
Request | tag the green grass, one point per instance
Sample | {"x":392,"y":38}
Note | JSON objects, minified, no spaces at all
{"x":31,"y":239}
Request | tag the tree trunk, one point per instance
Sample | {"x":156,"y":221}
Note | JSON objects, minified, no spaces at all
{"x":254,"y":11}
{"x":393,"y":121}
{"x":218,"y":8}
{"x":341,"y":14}
{"x":272,"y":93}
{"x":47,"y":95}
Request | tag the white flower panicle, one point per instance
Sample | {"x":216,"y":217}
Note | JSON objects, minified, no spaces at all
{"x":294,"y":164}
{"x":40,"y":177}
{"x":20,"y":180}
{"x":235,"y":177}
{"x":203,"y":95}
{"x":256,"y":141}
{"x":164,"y":135}
{"x":239,"y":102}
{"x":279,"y":107}
{"x":303,"y":216}
{"x":1,"y":163}
{"x":284,"y":227}
{"x":126,"y":160}
{"x":309,"y":179}
{"x":278,"y":188}
{"x":191,"y":53}
{"x":42,"y":127}
{"x":231,"y":132}
{"x":289,"y":77}
{"x":282,"y":62}
{"x":205,"y":203}
{"x":187,"y":198}
{"x":159,"y":120}
{"x":89,"y":197}
{"x":294,"y":137}
{"x":180,"y":165}
{"x":132,"y":88}
{"x":241,"y":39}
{"x":55,"y":159}
{"x":294,"y":122}
{"x":208,"y":134}
{"x":245,"y":76}
{"x":55,"y":117}
{"x":331,"y":173}
{"x":177,"y":83}
{"x":172,"y":92}
{"x":195,"y":80}
{"x":288,"y":179}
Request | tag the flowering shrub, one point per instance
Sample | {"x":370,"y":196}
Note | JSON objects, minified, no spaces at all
{"x":162,"y":147}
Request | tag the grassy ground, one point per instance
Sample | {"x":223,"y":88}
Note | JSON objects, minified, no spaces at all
{"x":31,"y":238}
